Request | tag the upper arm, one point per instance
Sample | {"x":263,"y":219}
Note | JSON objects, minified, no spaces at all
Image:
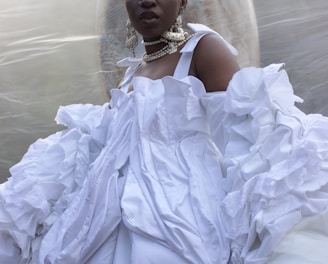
{"x":213,"y":63}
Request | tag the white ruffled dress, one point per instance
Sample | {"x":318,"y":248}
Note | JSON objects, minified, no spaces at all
{"x":171,"y":174}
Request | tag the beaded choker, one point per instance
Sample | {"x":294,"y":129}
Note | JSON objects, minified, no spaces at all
{"x":151,"y":43}
{"x":170,"y":47}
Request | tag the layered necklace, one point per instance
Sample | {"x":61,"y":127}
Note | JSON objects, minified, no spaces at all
{"x":171,"y":46}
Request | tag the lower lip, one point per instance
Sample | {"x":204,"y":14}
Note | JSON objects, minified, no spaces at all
{"x":148,"y":20}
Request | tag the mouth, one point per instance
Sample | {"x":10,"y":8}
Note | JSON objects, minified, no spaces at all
{"x":148,"y":16}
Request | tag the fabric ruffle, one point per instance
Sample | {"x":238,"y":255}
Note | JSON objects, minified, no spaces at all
{"x":47,"y":179}
{"x":275,"y":159}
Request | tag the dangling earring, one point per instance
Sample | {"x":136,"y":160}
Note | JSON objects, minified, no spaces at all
{"x":131,"y":38}
{"x":175,"y":33}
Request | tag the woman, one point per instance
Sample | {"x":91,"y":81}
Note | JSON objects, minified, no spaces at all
{"x":172,"y":172}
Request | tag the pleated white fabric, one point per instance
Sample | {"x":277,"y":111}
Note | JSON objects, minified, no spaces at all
{"x":170,"y":174}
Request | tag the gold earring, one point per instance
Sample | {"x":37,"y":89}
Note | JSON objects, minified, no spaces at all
{"x":131,"y":38}
{"x":175,"y":33}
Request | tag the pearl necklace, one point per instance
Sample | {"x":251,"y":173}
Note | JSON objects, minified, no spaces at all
{"x":151,"y":43}
{"x":170,"y":48}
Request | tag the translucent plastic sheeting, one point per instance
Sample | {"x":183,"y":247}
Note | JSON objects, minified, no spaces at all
{"x":49,"y":56}
{"x":58,"y":52}
{"x":296,"y":32}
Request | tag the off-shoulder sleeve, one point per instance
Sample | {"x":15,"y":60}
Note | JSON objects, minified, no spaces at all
{"x":275,"y":161}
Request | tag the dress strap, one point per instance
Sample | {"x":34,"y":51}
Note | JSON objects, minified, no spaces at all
{"x":132,"y":64}
{"x":183,"y":66}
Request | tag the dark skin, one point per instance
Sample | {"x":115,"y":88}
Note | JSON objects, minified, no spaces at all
{"x":212,"y":61}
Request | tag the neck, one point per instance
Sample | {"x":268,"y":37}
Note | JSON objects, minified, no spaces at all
{"x":154,"y":48}
{"x":162,"y":47}
{"x":155,"y":45}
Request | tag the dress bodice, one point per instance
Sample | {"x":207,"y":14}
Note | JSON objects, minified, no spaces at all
{"x":183,"y":65}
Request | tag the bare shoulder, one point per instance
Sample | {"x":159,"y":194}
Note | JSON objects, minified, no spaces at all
{"x":213,"y":63}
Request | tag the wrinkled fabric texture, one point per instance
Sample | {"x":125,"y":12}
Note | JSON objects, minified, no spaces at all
{"x":275,"y":158}
{"x":169,"y":173}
